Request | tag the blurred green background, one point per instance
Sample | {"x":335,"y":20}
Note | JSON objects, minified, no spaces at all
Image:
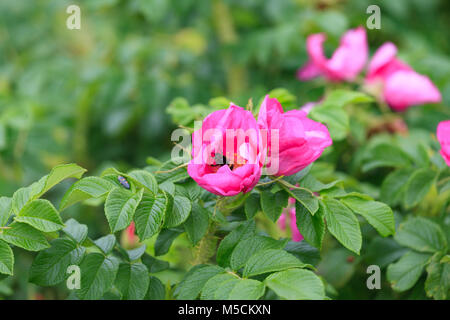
{"x":98,"y":96}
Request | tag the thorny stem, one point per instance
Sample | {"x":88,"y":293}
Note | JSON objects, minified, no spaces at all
{"x":207,"y":246}
{"x":287,"y":184}
{"x":173,"y":169}
{"x":443,"y":181}
{"x":269,"y":182}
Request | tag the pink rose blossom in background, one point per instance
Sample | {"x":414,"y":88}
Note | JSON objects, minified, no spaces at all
{"x":443,"y":136}
{"x":346,"y":62}
{"x":296,"y":235}
{"x":401,"y":86}
{"x":246,"y":152}
{"x":301,"y":140}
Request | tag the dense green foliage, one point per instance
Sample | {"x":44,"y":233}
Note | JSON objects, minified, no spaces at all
{"x":107,"y":97}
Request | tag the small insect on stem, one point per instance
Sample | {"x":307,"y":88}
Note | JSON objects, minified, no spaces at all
{"x":123,"y":182}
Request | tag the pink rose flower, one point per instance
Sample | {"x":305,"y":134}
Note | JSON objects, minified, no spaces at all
{"x":227,"y":153}
{"x":296,"y":235}
{"x":443,"y":136}
{"x":401,"y":86}
{"x":300,"y":140}
{"x":345,"y":63}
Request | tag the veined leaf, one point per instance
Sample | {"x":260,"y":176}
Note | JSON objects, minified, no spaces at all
{"x":41,"y":215}
{"x":144,"y":179}
{"x":86,"y":188}
{"x":6,"y":258}
{"x":421,"y":235}
{"x":418,"y":185}
{"x":227,"y":245}
{"x":50,"y":266}
{"x":378,"y":214}
{"x":250,"y":246}
{"x":191,"y":285}
{"x":179,"y":213}
{"x":197,"y":224}
{"x":308,"y":200}
{"x":404,"y":273}
{"x":296,"y":284}
{"x":24,"y":236}
{"x":98,"y":275}
{"x":343,"y":225}
{"x":150,"y":214}
{"x":76,"y":230}
{"x":120,"y":206}
{"x":271,"y":260}
{"x":273,"y":204}
{"x":5,"y":210}
{"x":312,"y":227}
{"x":132,"y":281}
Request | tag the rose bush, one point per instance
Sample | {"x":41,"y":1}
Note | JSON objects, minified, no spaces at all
{"x":265,"y":201}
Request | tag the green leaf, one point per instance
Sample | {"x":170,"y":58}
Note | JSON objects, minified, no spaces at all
{"x":252,"y":205}
{"x":271,"y":260}
{"x":383,"y":251}
{"x":149,"y":214}
{"x":303,"y":251}
{"x":247,"y":289}
{"x":336,"y":119}
{"x":296,"y":284}
{"x":40,"y":214}
{"x":6,"y":259}
{"x":340,"y":98}
{"x":86,"y":188}
{"x":219,"y":286}
{"x":172,"y":176}
{"x":228,"y":287}
{"x":197,"y":224}
{"x":227,"y":245}
{"x":191,"y":285}
{"x":337,"y":267}
{"x":24,"y":236}
{"x":437,"y":284}
{"x":418,"y":185}
{"x":144,"y":179}
{"x":165,"y":239}
{"x":179,"y":213}
{"x":306,"y":198}
{"x":272,"y":204}
{"x":156,"y":290}
{"x":189,"y":189}
{"x":50,"y":265}
{"x":385,"y":155}
{"x":343,"y":225}
{"x":154,"y":265}
{"x":22,"y":196}
{"x":5,"y":210}
{"x":312,"y":227}
{"x":421,"y":235}
{"x":393,"y":187}
{"x":76,"y":230}
{"x":120,"y":206}
{"x":311,"y":183}
{"x":106,"y":243}
{"x":136,"y":253}
{"x":404,"y":273}
{"x":60,"y":173}
{"x":249,"y":246}
{"x":132,"y":281}
{"x":98,"y":273}
{"x":378,"y":214}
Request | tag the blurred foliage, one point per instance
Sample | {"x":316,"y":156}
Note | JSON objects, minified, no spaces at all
{"x":99,"y":95}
